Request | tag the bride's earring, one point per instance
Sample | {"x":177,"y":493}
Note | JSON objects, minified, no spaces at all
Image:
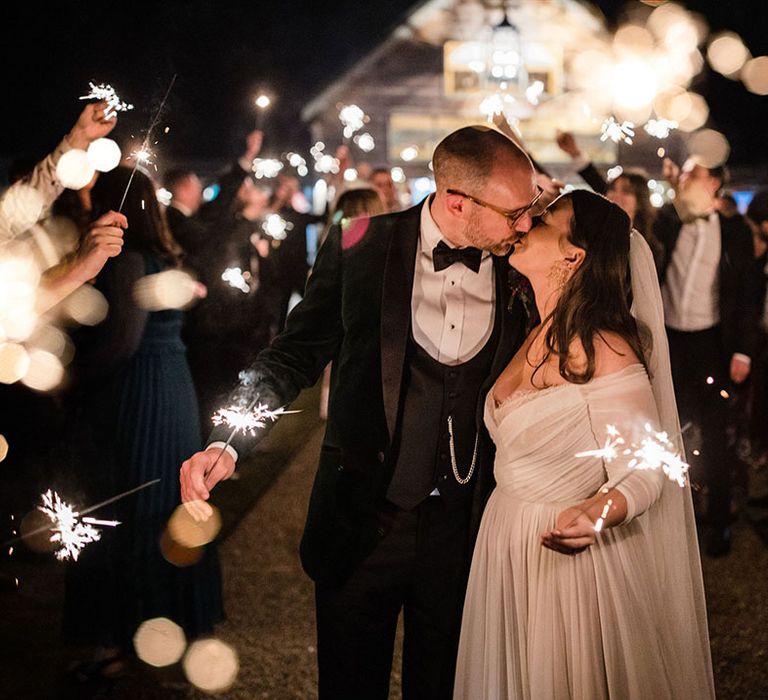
{"x":558,"y":274}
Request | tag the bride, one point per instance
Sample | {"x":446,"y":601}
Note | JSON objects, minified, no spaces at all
{"x":555,"y":609}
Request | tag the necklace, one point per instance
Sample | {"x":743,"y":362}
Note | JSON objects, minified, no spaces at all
{"x":454,"y":466}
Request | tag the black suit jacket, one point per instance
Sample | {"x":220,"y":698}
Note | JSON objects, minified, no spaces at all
{"x":357,"y":312}
{"x":737,"y":296}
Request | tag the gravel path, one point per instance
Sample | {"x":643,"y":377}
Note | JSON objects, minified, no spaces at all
{"x":271,"y":621}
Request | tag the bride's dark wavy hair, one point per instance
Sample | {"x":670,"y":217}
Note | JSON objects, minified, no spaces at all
{"x":598,"y":296}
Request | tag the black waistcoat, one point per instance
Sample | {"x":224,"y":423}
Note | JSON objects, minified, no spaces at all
{"x":433,"y":391}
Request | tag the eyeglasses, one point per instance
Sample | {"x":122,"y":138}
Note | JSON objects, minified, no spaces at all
{"x":511,"y":215}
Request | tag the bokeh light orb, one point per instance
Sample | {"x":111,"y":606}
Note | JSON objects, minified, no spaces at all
{"x":710,"y":147}
{"x":104,"y":155}
{"x":726,"y":53}
{"x":14,"y":362}
{"x":74,"y":169}
{"x":86,"y":306}
{"x":190,"y":532}
{"x":159,"y":642}
{"x":170,"y":289}
{"x":21,"y":207}
{"x":697,"y":111}
{"x":634,"y":83}
{"x":211,"y":665}
{"x":3,"y":448}
{"x":45,"y":371}
{"x":176,"y":554}
{"x":755,"y":75}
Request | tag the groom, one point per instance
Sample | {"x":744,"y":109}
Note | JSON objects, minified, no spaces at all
{"x":412,"y":308}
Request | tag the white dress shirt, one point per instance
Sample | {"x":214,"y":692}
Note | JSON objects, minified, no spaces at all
{"x":691,"y":292}
{"x":452,"y":311}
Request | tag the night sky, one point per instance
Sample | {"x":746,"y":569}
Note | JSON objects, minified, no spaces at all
{"x":224,"y":51}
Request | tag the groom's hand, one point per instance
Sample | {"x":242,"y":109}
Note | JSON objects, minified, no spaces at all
{"x":202,"y":471}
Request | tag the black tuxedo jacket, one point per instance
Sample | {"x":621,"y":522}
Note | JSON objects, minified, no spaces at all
{"x":357,"y":312}
{"x":737,"y":295}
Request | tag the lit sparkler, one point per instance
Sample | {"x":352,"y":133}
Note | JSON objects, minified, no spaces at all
{"x":365,"y":142}
{"x":68,"y":530}
{"x":249,"y":420}
{"x":234,"y":277}
{"x":144,"y":154}
{"x":617,"y":131}
{"x":353,"y":118}
{"x":324,"y":162}
{"x":107,"y":93}
{"x":71,"y":531}
{"x":299,"y":162}
{"x":276,"y":227}
{"x":655,"y":452}
{"x":660,"y":128}
{"x":246,"y":420}
{"x":266,"y":167}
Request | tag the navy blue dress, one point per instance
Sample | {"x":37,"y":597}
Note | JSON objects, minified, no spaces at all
{"x":135,"y":418}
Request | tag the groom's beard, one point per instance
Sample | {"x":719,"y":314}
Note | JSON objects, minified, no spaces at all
{"x":473,"y":233}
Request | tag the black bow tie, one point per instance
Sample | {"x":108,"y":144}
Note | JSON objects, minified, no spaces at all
{"x":444,"y":256}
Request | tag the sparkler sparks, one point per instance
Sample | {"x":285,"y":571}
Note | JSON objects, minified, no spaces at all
{"x":276,"y":227}
{"x":234,"y":277}
{"x":353,"y":118}
{"x":69,"y":532}
{"x":324,"y":162}
{"x":655,"y":452}
{"x":617,"y":131}
{"x":365,"y":142}
{"x":108,"y":94}
{"x":660,"y":128}
{"x":143,"y":155}
{"x":266,"y":167}
{"x":248,"y":420}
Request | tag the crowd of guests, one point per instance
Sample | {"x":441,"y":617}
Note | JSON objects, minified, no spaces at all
{"x":144,"y":383}
{"x":711,"y":262}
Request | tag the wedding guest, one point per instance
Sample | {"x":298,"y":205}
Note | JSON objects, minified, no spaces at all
{"x":381,"y":179}
{"x":757,"y":218}
{"x":289,"y":255}
{"x":630,"y":191}
{"x":134,"y":416}
{"x":710,"y":316}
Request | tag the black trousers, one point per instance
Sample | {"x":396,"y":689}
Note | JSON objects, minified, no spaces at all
{"x":420,"y":566}
{"x":700,"y":373}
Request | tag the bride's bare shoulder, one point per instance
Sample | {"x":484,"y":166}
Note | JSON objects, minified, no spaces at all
{"x":612,"y":353}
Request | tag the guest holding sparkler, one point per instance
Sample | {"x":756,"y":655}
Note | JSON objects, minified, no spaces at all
{"x":710,"y":309}
{"x":629,"y":190}
{"x":136,"y":416}
{"x":585,"y":579}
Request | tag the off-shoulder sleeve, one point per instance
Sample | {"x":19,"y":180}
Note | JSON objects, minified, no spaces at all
{"x":623,"y":404}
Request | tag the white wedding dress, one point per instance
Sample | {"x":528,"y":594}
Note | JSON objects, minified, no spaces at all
{"x":624,"y":618}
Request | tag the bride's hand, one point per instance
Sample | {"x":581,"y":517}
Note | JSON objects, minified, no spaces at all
{"x":574,"y":531}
